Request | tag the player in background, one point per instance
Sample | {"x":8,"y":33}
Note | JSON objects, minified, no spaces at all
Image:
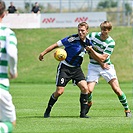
{"x":8,"y":57}
{"x":70,"y":68}
{"x":100,"y":52}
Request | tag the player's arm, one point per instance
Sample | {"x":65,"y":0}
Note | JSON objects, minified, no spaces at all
{"x":96,"y":56}
{"x":13,"y":63}
{"x":12,"y":53}
{"x":47,"y":50}
{"x":100,"y":58}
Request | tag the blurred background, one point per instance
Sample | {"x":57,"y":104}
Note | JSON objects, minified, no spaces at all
{"x":120,"y":12}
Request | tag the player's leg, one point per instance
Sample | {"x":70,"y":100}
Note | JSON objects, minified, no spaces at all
{"x":92,"y":78}
{"x":83,"y":98}
{"x":111,"y":78}
{"x":54,"y":97}
{"x":91,"y":86}
{"x":7,"y":111}
{"x":121,"y":96}
{"x":61,"y":80}
{"x":6,"y":127}
{"x":80,"y":81}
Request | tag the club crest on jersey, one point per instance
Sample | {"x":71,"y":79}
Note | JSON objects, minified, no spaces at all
{"x":101,"y":47}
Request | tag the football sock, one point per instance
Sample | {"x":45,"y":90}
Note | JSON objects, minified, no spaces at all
{"x":123,"y":101}
{"x":6,"y":127}
{"x":52,"y":101}
{"x":90,"y":98}
{"x":83,"y":103}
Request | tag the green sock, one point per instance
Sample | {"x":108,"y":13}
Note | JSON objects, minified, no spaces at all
{"x":123,"y":101}
{"x":89,"y":98}
{"x":6,"y":127}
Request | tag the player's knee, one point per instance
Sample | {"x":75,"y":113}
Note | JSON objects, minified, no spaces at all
{"x":58,"y":93}
{"x":118,"y":92}
{"x":89,"y":91}
{"x":84,"y":89}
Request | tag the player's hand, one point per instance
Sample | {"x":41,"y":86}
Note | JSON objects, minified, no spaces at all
{"x":105,"y":66}
{"x":13,"y":76}
{"x":88,"y":48}
{"x":41,"y":57}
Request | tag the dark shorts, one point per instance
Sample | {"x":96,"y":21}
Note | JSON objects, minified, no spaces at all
{"x":66,"y":73}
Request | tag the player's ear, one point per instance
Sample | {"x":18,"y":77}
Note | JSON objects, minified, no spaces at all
{"x":87,"y":31}
{"x":3,"y":14}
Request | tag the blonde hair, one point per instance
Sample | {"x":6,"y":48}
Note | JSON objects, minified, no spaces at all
{"x":106,"y":25}
{"x":84,"y":24}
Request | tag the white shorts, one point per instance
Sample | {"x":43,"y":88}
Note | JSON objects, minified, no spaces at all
{"x":95,"y":71}
{"x":7,"y":109}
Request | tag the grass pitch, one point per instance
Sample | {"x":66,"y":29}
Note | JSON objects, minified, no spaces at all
{"x":31,"y":42}
{"x":32,"y":89}
{"x":107,"y":114}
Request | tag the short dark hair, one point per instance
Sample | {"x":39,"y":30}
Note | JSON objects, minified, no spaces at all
{"x":2,"y":7}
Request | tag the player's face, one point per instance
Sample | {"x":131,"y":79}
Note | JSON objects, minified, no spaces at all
{"x":104,"y":32}
{"x":82,"y":32}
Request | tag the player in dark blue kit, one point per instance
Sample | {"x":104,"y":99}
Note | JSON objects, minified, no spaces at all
{"x":70,"y":68}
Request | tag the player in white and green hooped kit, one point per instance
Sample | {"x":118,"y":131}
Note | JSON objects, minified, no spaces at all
{"x":107,"y":47}
{"x":8,"y":57}
{"x":100,"y":64}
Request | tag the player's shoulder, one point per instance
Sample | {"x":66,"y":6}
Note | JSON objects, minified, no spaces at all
{"x":111,"y":40}
{"x":6,"y":31}
{"x":73,"y":37}
{"x":93,"y":34}
{"x":3,"y":27}
{"x":6,"y":28}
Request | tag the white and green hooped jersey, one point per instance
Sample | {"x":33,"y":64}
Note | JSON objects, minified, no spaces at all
{"x":101,"y":46}
{"x":8,"y":55}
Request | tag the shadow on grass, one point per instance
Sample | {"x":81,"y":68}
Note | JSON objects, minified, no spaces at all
{"x":49,"y":117}
{"x":68,"y":117}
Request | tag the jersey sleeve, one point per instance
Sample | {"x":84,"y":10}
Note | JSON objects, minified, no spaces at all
{"x":63,"y":42}
{"x":59,"y":43}
{"x":11,"y":48}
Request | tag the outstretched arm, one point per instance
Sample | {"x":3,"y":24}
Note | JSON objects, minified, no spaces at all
{"x":47,"y":50}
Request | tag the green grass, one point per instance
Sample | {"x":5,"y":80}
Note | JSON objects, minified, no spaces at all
{"x":36,"y":82}
{"x":107,"y":114}
{"x":31,"y":42}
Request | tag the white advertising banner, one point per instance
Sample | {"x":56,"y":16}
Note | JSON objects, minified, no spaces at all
{"x":58,"y":20}
{"x":19,"y":21}
{"x":53,"y":20}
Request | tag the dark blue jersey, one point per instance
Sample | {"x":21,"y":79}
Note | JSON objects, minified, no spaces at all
{"x":75,"y":49}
